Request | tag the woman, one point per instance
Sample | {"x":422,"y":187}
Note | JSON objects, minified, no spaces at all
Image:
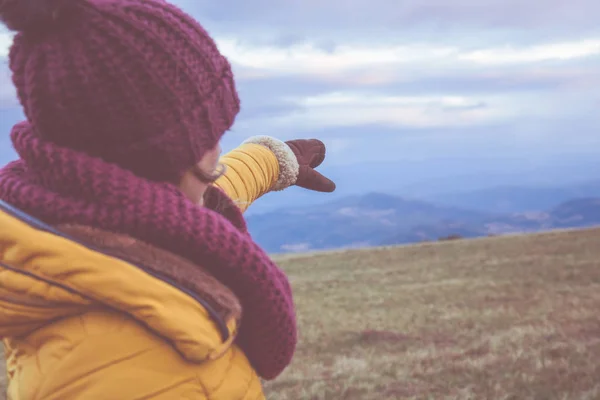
{"x":124,"y":272}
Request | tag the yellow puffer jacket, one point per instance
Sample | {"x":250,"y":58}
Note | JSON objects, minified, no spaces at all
{"x":80,"y":324}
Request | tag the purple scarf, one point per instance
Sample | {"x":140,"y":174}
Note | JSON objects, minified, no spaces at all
{"x":62,"y":186}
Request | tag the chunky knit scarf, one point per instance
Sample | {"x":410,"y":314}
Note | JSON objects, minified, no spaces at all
{"x":63,"y":186}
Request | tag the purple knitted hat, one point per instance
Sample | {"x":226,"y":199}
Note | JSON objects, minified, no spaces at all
{"x":138,"y":83}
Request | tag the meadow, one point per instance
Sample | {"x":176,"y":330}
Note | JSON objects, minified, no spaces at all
{"x":496,"y":318}
{"x":512,"y":317}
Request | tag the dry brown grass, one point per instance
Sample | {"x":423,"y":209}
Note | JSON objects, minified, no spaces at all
{"x":496,"y":318}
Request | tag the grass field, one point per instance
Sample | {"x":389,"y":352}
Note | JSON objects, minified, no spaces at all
{"x":496,"y":318}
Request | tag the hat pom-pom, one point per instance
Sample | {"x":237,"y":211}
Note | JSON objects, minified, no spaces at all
{"x":25,"y":15}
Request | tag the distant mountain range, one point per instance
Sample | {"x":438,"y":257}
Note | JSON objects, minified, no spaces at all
{"x":351,"y":222}
{"x":512,"y":199}
{"x":512,"y":190}
{"x":381,"y":219}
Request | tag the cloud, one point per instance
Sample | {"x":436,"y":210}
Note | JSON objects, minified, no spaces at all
{"x":348,"y":109}
{"x":306,"y":58}
{"x":5,"y":42}
{"x":418,"y":85}
{"x":368,"y":19}
{"x":545,"y":52}
{"x":497,"y":78}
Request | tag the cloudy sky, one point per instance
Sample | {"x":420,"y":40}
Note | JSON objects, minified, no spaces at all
{"x":418,"y":78}
{"x":484,"y":82}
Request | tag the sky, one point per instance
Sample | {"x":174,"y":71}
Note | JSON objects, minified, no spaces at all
{"x":495,"y":84}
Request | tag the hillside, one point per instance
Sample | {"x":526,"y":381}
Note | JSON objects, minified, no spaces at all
{"x":479,"y":191}
{"x":577,"y":212}
{"x":510,"y":317}
{"x":355,"y":221}
{"x":519,"y":189}
{"x":382,"y":219}
{"x":516,"y":199}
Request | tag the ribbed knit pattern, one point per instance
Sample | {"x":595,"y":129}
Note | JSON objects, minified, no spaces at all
{"x":63,"y":186}
{"x":122,"y":97}
{"x":135,"y":82}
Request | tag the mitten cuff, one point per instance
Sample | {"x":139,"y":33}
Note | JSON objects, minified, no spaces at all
{"x":288,"y":163}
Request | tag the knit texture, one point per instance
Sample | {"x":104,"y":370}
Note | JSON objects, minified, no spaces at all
{"x":135,"y":82}
{"x":63,"y":186}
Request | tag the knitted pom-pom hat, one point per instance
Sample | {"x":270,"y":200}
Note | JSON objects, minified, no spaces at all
{"x":138,"y":83}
